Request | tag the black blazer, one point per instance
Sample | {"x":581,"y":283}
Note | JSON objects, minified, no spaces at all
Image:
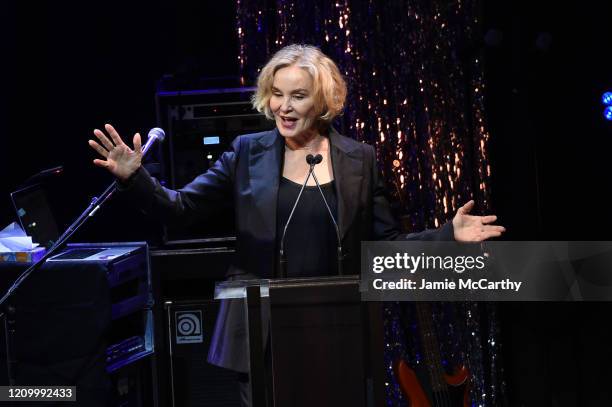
{"x":248,"y":176}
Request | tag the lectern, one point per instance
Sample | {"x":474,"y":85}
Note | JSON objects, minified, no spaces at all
{"x":312,"y":341}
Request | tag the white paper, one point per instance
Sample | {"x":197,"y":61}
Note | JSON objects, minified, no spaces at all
{"x":14,"y":239}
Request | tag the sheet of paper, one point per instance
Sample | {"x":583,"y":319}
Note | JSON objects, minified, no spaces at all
{"x":14,"y":239}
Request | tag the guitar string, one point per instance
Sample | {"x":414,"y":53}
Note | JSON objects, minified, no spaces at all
{"x":424,"y":315}
{"x":441,"y":371}
{"x":439,"y":388}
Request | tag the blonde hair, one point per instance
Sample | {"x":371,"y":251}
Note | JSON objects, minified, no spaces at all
{"x":329,"y":86}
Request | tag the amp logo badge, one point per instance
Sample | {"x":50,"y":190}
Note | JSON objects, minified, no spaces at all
{"x":188,"y":327}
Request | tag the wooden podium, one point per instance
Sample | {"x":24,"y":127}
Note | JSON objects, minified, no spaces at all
{"x":312,"y":341}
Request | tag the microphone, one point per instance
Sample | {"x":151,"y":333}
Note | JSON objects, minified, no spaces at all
{"x":282,"y":260}
{"x":154,"y":134}
{"x":314,"y":161}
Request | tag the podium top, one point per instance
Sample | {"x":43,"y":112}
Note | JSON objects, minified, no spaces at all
{"x":233,"y":289}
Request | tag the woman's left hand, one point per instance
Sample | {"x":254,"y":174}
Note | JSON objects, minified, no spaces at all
{"x":469,"y":228}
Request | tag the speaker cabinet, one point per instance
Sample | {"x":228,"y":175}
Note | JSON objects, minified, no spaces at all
{"x":194,"y":381}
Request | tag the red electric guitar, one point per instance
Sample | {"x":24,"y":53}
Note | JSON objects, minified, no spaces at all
{"x":448,"y":390}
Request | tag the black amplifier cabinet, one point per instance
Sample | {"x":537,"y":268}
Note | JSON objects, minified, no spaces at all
{"x":189,"y":269}
{"x":200,"y":125}
{"x":184,"y":276}
{"x":130,"y":354}
{"x":193,"y":381}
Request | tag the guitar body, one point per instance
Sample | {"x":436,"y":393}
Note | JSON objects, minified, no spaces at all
{"x":455,"y":393}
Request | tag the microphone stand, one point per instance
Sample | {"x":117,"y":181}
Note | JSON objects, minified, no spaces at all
{"x":9,"y":311}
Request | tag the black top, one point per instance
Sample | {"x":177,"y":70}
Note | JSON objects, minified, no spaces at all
{"x":310,"y":242}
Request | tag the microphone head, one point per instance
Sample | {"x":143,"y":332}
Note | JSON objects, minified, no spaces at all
{"x":158,"y":133}
{"x":314,"y":160}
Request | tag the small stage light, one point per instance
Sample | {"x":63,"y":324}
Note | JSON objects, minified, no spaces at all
{"x":606,"y":98}
{"x":608,"y":113}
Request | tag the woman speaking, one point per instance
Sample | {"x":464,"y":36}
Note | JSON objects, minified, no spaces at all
{"x":262,"y":174}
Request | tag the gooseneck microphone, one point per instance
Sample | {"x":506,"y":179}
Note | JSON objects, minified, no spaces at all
{"x":314,"y":161}
{"x":282,"y":260}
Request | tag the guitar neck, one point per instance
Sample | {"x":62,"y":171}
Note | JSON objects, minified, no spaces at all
{"x":431,"y":347}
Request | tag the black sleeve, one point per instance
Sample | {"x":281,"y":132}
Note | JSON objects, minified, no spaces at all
{"x":385,"y":226}
{"x":203,"y":197}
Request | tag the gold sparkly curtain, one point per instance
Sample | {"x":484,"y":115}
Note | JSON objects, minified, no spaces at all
{"x":415,"y":83}
{"x":415,"y":90}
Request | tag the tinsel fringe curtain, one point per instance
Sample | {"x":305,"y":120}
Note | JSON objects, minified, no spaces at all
{"x":415,"y":81}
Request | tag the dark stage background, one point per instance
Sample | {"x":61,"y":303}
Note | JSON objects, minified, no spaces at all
{"x":72,"y":66}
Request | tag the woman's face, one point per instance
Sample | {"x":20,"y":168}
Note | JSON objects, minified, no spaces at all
{"x":292,"y":101}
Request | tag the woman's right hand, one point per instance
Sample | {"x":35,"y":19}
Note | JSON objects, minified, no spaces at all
{"x":119,"y":159}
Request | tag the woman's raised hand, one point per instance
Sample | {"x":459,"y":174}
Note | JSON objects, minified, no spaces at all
{"x":119,"y":159}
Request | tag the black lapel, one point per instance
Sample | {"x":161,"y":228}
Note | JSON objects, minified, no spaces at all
{"x":264,"y":168}
{"x":347,"y":163}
